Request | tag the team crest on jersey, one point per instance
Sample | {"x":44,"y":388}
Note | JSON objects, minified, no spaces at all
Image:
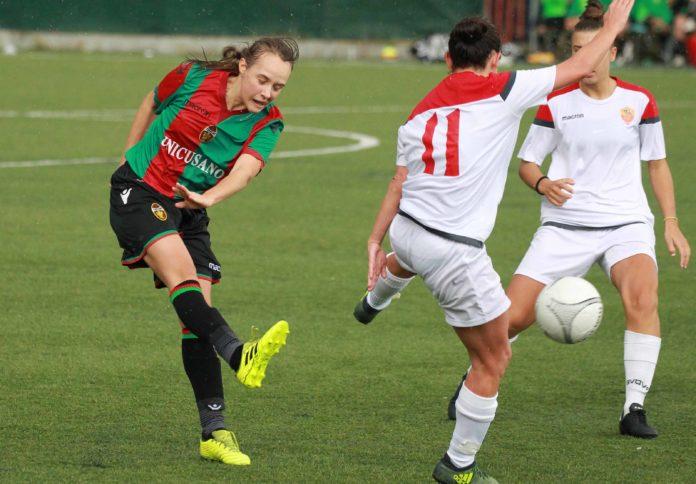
{"x":208,"y":133}
{"x":158,"y":212}
{"x":627,"y":114}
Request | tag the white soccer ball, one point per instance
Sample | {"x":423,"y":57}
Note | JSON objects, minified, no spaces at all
{"x":569,"y":310}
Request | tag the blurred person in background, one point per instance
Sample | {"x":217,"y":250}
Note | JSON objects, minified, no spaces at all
{"x":683,"y":40}
{"x":551,"y":30}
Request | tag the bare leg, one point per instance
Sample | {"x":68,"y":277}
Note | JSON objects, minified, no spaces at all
{"x":523,"y":292}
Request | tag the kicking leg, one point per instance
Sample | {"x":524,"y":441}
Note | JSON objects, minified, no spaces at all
{"x":170,"y":260}
{"x":380,"y":297}
{"x":636,"y":279}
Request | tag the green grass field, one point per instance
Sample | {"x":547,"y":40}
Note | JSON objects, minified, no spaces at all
{"x":91,"y":383}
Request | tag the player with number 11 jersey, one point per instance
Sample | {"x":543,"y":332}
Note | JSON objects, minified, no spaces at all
{"x":453,"y":153}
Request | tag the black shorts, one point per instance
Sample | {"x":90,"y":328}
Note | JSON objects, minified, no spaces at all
{"x":140,"y":216}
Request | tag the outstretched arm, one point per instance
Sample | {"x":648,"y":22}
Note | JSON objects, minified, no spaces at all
{"x":244,"y":170}
{"x":663,"y":187}
{"x":142,"y":121}
{"x":584,"y":61}
{"x":377,"y":259}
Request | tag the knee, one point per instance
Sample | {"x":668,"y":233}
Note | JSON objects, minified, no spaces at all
{"x":495,"y":362}
{"x":641,"y":303}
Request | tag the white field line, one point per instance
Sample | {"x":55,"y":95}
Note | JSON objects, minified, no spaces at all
{"x":361,"y":142}
{"x":120,"y":115}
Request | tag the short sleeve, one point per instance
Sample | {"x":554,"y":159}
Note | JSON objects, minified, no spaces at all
{"x":168,"y":87}
{"x":263,"y":142}
{"x":542,"y":138}
{"x":529,"y":88}
{"x":400,"y":155}
{"x":652,"y":138}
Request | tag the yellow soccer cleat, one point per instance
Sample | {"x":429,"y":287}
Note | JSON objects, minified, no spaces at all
{"x":257,"y":353}
{"x":223,"y":447}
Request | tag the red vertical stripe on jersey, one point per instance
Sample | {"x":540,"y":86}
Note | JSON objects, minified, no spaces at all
{"x":452,"y":152}
{"x":163,"y":172}
{"x":428,"y":142}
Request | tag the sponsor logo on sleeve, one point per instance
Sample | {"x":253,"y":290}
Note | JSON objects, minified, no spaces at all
{"x":159,"y":213}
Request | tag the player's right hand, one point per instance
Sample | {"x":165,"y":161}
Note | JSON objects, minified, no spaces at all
{"x":376,"y":263}
{"x":558,"y":191}
{"x":617,"y":14}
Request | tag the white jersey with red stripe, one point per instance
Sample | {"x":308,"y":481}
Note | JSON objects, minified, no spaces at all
{"x":457,"y":145}
{"x":599,"y":144}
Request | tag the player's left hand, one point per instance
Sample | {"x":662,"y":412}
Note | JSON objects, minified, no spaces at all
{"x":376,"y":263}
{"x":190,"y":199}
{"x":677,"y":242}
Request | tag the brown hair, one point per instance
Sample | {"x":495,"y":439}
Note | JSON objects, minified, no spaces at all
{"x":284,"y":47}
{"x":471,"y":42}
{"x":592,"y":18}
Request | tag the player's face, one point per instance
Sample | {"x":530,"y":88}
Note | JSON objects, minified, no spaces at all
{"x":262,"y":82}
{"x":601,"y":72}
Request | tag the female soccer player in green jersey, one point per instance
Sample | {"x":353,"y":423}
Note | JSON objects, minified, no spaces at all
{"x":201,"y":136}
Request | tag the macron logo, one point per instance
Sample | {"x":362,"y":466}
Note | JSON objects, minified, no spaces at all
{"x":214,"y":406}
{"x":125,"y":194}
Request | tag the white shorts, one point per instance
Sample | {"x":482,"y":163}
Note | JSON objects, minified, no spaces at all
{"x":556,"y":252}
{"x":461,"y":277}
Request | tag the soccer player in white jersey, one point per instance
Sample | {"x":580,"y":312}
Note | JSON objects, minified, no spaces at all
{"x":452,"y":159}
{"x":595,"y":210}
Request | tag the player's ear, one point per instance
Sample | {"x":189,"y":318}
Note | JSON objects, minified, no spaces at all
{"x":612,"y":54}
{"x":242,"y":65}
{"x":494,"y":60}
{"x":448,"y":61}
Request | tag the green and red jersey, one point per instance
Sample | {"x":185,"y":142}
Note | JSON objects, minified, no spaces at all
{"x":195,"y":140}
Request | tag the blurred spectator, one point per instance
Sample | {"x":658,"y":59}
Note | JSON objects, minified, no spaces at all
{"x":683,"y":40}
{"x":551,"y":29}
{"x":649,"y":32}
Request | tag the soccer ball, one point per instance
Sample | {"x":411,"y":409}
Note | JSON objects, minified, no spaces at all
{"x":569,"y":310}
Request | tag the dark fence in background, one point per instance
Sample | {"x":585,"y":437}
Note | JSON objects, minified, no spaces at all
{"x":336,"y":19}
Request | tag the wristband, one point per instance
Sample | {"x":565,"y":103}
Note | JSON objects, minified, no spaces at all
{"x":536,"y":185}
{"x":672,"y":218}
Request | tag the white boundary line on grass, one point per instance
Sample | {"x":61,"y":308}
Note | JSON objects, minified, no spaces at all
{"x":361,"y":142}
{"x":122,"y":115}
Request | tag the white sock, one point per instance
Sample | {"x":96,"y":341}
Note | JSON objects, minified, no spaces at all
{"x":474,"y":416}
{"x":640,"y":357}
{"x":386,"y":289}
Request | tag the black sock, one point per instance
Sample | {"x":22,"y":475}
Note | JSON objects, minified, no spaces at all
{"x":204,"y":321}
{"x":203,"y":370}
{"x":236,"y":358}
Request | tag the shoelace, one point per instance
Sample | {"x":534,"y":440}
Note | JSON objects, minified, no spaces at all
{"x":229,"y":441}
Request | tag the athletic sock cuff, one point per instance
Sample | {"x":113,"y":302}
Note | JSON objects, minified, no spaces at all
{"x":641,"y":347}
{"x":476,"y":407}
{"x":393,"y":280}
{"x":184,"y":287}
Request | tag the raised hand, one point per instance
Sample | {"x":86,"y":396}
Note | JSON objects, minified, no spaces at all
{"x":617,"y":14}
